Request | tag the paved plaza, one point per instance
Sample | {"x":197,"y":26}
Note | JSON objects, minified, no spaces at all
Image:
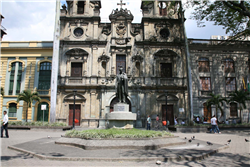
{"x":238,"y":153}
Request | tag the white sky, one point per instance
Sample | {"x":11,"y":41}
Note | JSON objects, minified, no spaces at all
{"x":33,"y":20}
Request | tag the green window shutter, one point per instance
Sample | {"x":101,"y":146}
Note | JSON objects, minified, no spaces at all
{"x":44,"y":76}
{"x":12,"y":76}
{"x":19,"y":78}
{"x":12,"y":110}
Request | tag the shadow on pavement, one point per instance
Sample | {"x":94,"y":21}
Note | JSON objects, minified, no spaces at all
{"x":23,"y":156}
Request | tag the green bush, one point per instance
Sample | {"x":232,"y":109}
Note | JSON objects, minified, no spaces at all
{"x":36,"y":123}
{"x":115,"y":133}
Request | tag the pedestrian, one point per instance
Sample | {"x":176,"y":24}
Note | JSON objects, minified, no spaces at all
{"x":183,"y":122}
{"x":214,"y":125}
{"x":148,"y":122}
{"x":197,"y":119}
{"x":5,"y":125}
{"x":175,"y":121}
{"x":157,"y":122}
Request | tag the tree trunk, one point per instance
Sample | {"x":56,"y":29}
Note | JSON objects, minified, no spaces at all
{"x":27,"y":113}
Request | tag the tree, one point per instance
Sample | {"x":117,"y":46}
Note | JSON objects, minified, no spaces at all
{"x":234,"y":16}
{"x":28,"y":97}
{"x":239,"y":97}
{"x":2,"y":91}
{"x":217,"y":101}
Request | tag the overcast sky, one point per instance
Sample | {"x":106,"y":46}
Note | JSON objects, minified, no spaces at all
{"x":33,"y":20}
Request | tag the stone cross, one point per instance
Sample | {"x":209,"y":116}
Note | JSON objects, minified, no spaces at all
{"x":121,"y":3}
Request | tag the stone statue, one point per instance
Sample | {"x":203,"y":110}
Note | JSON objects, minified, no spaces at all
{"x":121,"y":86}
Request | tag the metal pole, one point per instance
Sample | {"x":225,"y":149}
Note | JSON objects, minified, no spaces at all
{"x":43,"y":117}
{"x":166,"y":94}
{"x":55,"y":61}
{"x":74,"y":108}
{"x":188,"y":67}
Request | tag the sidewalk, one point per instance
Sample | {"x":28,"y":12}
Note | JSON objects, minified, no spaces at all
{"x":236,"y":155}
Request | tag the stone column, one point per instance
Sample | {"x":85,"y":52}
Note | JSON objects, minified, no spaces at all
{"x":74,"y":7}
{"x":96,"y":32}
{"x":94,"y":71}
{"x":156,"y":9}
{"x":86,"y":7}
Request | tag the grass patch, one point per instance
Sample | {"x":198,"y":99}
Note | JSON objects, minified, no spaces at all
{"x":115,"y":133}
{"x":37,"y":123}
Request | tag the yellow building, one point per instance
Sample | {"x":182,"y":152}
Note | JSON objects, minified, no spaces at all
{"x":25,"y":65}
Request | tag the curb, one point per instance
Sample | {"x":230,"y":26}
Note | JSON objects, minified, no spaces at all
{"x":164,"y":159}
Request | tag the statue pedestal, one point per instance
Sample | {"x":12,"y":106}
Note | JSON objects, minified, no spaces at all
{"x":121,"y":117}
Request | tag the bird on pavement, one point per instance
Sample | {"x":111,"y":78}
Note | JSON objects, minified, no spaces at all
{"x":229,"y":141}
{"x":190,"y":140}
{"x":198,"y":144}
{"x":209,"y":143}
{"x":193,"y":137}
{"x":246,"y":140}
{"x":48,"y":137}
{"x":185,"y":138}
{"x":158,"y":162}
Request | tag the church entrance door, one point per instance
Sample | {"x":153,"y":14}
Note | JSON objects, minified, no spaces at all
{"x":77,"y":114}
{"x":170,"y":113}
{"x":207,"y":113}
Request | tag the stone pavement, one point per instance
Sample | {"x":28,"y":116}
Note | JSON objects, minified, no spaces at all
{"x":236,"y":155}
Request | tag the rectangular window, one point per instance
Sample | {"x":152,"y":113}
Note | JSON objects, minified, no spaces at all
{"x":230,"y":84}
{"x":12,"y":110}
{"x":233,"y":110}
{"x":80,"y":7}
{"x":19,"y":78}
{"x":76,"y":69}
{"x":204,"y":66}
{"x":162,"y":8}
{"x":229,"y":66}
{"x":166,"y":70}
{"x":44,"y":76}
{"x":12,"y":76}
{"x":120,"y":62}
{"x":205,"y":83}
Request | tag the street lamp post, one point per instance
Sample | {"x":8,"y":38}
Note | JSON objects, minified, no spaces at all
{"x":74,"y":108}
{"x":166,"y":95}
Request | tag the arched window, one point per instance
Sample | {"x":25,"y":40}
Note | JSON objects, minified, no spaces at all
{"x":230,"y":83}
{"x":12,"y":110}
{"x":44,"y":76}
{"x":80,"y":7}
{"x":203,"y":65}
{"x":103,"y":70}
{"x":137,"y":69}
{"x":12,"y":78}
{"x":228,"y":66}
{"x":18,"y":79}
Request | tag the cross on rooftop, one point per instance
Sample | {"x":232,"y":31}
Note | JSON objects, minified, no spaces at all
{"x":121,"y":3}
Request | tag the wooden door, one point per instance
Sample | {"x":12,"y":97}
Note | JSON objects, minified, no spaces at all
{"x":76,"y":69}
{"x":170,"y":113}
{"x":207,"y":113}
{"x":77,"y":114}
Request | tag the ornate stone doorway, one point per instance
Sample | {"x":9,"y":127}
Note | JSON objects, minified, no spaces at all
{"x":170,"y":113}
{"x":207,"y":113}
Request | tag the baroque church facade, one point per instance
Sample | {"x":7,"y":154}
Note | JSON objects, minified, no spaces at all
{"x":152,"y":53}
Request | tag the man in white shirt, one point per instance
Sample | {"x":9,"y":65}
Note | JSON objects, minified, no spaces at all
{"x":5,"y":125}
{"x":214,"y":125}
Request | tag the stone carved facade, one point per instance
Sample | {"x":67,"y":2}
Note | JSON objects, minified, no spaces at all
{"x":152,"y":53}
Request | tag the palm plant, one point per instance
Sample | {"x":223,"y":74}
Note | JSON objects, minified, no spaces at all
{"x":216,"y":100}
{"x":2,"y":91}
{"x":239,"y":97}
{"x":28,"y":97}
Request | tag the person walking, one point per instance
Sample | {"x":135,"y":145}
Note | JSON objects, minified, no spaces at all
{"x":214,"y":125}
{"x":157,"y":122}
{"x":148,"y":122}
{"x":5,"y":125}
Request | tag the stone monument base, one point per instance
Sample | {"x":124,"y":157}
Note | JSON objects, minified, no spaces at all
{"x":121,"y":117}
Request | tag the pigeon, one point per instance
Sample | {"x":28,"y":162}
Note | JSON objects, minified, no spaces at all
{"x":198,"y":144}
{"x":48,"y":137}
{"x":246,"y":140}
{"x":190,"y":140}
{"x":193,"y":137}
{"x":158,"y":162}
{"x":185,"y":138}
{"x":209,"y":143}
{"x":229,"y":141}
